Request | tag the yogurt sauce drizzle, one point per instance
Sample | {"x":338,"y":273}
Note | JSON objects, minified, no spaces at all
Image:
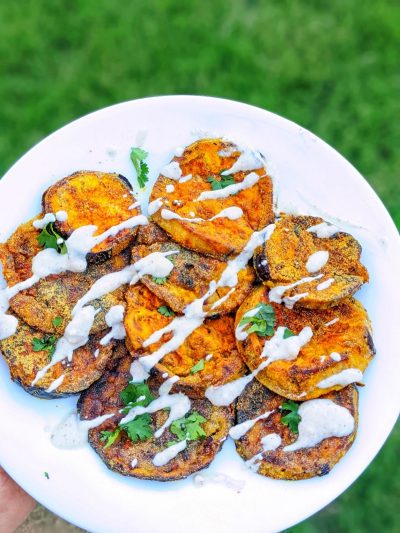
{"x":115,"y":320}
{"x":61,"y":216}
{"x":72,"y":432}
{"x":325,"y":284}
{"x":236,"y":432}
{"x":248,"y":160}
{"x":269,"y":443}
{"x":321,"y":419}
{"x":165,"y":456}
{"x":316,"y":261}
{"x":276,"y":293}
{"x":324,"y":230}
{"x":172,"y":171}
{"x":343,"y":378}
{"x":233,"y":213}
{"x":250,"y":180}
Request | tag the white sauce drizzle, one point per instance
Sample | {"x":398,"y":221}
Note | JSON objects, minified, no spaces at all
{"x":249,"y":181}
{"x":167,"y":385}
{"x":237,"y":485}
{"x":61,"y":216}
{"x":276,"y":293}
{"x":237,"y":432}
{"x":248,"y":160}
{"x":331,"y":322}
{"x":165,"y":456}
{"x":325,"y":284}
{"x":154,"y":206}
{"x":269,"y":443}
{"x":316,"y":261}
{"x":321,"y":419}
{"x":96,"y":353}
{"x":56,"y":383}
{"x":72,"y":432}
{"x":186,"y":178}
{"x":336,"y":356}
{"x":232,"y":213}
{"x":343,"y":378}
{"x":223,"y":298}
{"x":115,"y":320}
{"x":240,"y":332}
{"x":170,"y":188}
{"x":208,"y":357}
{"x":137,"y":372}
{"x":172,"y":171}
{"x":324,"y":230}
{"x":134,"y":463}
{"x":134,"y":205}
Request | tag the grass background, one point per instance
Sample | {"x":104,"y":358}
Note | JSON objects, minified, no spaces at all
{"x":332,"y":67}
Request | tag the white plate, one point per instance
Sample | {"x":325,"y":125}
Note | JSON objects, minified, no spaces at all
{"x":307,"y":173}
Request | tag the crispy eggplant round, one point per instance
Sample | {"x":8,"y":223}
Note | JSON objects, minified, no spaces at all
{"x":151,"y":234}
{"x":211,"y":348}
{"x":94,"y":198}
{"x":283,"y":259}
{"x":136,"y":458}
{"x":191,"y":277}
{"x":341,"y":341}
{"x":220,"y":237}
{"x":279,"y":464}
{"x":24,"y":362}
{"x":48,"y":304}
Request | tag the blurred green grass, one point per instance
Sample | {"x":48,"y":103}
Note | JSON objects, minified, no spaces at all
{"x":331,"y":67}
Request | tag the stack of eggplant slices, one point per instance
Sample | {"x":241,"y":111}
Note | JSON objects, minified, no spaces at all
{"x":212,"y":317}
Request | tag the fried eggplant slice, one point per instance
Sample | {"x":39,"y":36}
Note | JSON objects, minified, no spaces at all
{"x":340,"y":348}
{"x":191,"y":277}
{"x":25,"y":358}
{"x":220,"y":237}
{"x":48,"y":304}
{"x":284,"y":257}
{"x":151,"y":234}
{"x":135,"y":459}
{"x":207,"y":357}
{"x":277,"y":463}
{"x":101,"y":199}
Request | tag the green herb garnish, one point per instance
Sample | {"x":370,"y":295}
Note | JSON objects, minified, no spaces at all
{"x":48,"y":342}
{"x":221,"y":183}
{"x":57,"y":321}
{"x":46,"y":475}
{"x":138,"y":156}
{"x":188,"y":428}
{"x":49,"y":238}
{"x":197,"y":367}
{"x":139,"y":428}
{"x":165,"y":311}
{"x":292,"y":418}
{"x":288,"y":333}
{"x":262,"y":322}
{"x":159,"y":281}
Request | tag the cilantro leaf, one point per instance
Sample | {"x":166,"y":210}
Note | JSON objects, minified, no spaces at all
{"x":49,"y":238}
{"x":139,"y":428}
{"x":46,"y":475}
{"x":48,"y":342}
{"x":263,"y":322}
{"x":288,"y":333}
{"x":197,"y":367}
{"x":138,"y":155}
{"x":165,"y":311}
{"x":159,"y":281}
{"x":109,"y":437}
{"x":292,"y":418}
{"x":222,"y":183}
{"x":131,"y":394}
{"x":188,"y":427}
{"x":57,"y":321}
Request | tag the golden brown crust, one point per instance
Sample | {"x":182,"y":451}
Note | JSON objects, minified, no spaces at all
{"x":282,"y":260}
{"x":215,"y":336}
{"x":151,"y":234}
{"x":279,"y":464}
{"x":80,"y":373}
{"x":221,"y":237}
{"x":298,"y":379}
{"x":191,"y":277}
{"x":103,"y":398}
{"x":94,"y":198}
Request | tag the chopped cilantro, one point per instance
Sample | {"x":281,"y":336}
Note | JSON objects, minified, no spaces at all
{"x":288,"y":333}
{"x":46,"y":475}
{"x":139,"y":428}
{"x":49,"y":238}
{"x":188,"y":428}
{"x":223,"y":182}
{"x":197,"y":367}
{"x":165,"y":310}
{"x":292,"y":418}
{"x":263,"y":321}
{"x":159,"y":281}
{"x":109,"y":437}
{"x":57,"y":321}
{"x":131,"y":394}
{"x":48,"y":342}
{"x":138,"y":156}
